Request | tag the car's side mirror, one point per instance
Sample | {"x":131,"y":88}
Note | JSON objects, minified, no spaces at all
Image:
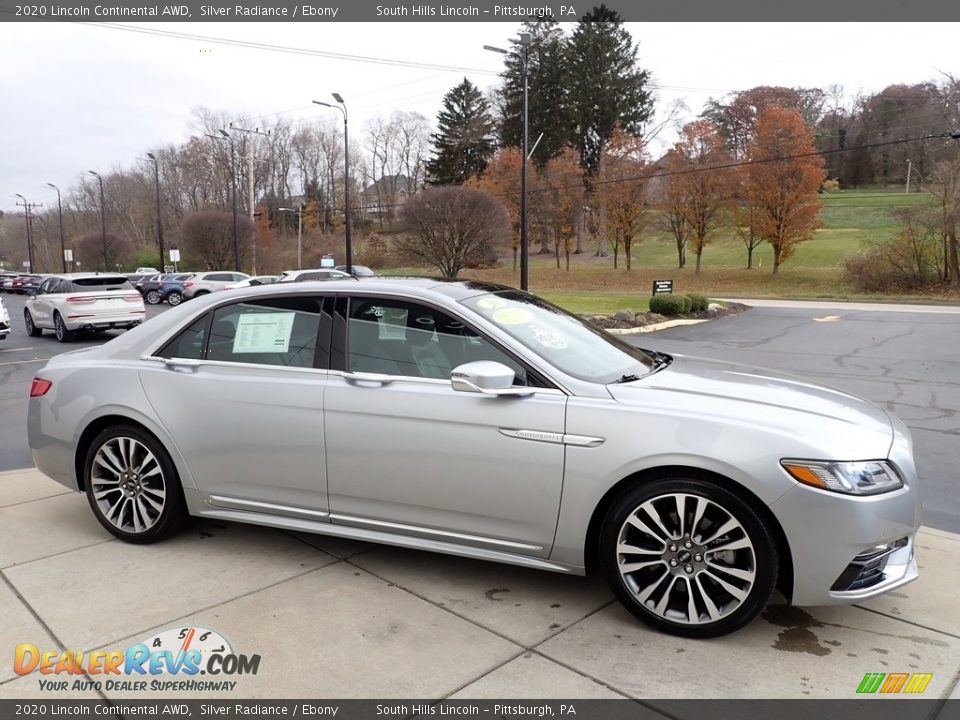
{"x":486,"y":377}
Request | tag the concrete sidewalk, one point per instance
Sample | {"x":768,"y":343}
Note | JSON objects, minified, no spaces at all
{"x":340,"y":619}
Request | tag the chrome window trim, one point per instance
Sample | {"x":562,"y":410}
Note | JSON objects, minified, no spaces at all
{"x":193,"y":363}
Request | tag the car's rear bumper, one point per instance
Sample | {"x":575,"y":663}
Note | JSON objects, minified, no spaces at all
{"x":92,"y":324}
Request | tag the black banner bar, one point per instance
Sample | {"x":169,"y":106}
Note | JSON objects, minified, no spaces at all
{"x":329,"y":11}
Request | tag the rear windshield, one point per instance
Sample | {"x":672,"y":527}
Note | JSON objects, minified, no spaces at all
{"x":104,"y":282}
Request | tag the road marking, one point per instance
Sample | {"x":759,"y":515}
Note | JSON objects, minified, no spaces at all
{"x":16,"y":349}
{"x":827,"y":318}
{"x":19,"y":362}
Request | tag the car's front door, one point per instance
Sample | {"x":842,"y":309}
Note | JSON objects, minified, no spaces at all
{"x":241,"y":393}
{"x":408,"y":454}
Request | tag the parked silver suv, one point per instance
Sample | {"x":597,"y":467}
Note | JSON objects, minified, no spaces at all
{"x":207,"y":282}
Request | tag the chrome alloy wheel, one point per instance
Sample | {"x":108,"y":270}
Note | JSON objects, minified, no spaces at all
{"x":128,"y":484}
{"x":686,"y":558}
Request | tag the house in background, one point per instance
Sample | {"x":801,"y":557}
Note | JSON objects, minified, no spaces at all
{"x":381,"y":200}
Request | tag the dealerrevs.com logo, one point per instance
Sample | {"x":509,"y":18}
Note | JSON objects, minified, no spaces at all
{"x":152,"y":664}
{"x":894,"y":683}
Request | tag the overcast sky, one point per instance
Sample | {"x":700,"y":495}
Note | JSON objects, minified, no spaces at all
{"x":80,"y":97}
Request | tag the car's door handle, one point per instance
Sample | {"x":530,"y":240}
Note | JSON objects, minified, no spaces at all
{"x":181,"y":364}
{"x":374,"y":379}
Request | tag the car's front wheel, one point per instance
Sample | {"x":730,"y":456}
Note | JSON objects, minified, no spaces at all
{"x":175,"y":298}
{"x":32,"y":329}
{"x":688,"y":556}
{"x":60,"y":329}
{"x":132,"y":485}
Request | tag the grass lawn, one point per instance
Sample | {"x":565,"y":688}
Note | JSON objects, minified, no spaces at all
{"x":815,"y":271}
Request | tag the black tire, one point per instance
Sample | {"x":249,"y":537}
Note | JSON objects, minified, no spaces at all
{"x":657,"y":583}
{"x":60,"y":329}
{"x":152,"y":297}
{"x":32,"y":330}
{"x":198,"y":293}
{"x":175,"y":298}
{"x":130,"y":484}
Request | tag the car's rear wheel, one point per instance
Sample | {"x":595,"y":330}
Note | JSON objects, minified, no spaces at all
{"x":152,"y":297}
{"x":32,"y":329}
{"x":689,"y":557}
{"x":175,"y":298}
{"x":132,"y":485}
{"x":60,"y":329}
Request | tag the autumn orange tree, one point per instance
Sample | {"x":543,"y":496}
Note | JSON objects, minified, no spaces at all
{"x":502,"y":180}
{"x":621,"y":191}
{"x":560,"y":196}
{"x":696,"y":184}
{"x":781,"y":180}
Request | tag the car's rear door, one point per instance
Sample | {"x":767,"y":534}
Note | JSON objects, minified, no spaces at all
{"x":241,"y":393}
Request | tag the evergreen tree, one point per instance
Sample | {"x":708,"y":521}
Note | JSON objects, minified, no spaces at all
{"x":607,"y":89}
{"x":548,"y":109}
{"x":464,"y":141}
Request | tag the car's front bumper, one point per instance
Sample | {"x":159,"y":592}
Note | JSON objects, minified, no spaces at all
{"x":847,"y":548}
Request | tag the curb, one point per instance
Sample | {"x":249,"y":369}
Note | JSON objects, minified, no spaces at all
{"x":655,"y":327}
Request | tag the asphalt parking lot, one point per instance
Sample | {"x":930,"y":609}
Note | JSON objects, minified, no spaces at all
{"x":335,"y":618}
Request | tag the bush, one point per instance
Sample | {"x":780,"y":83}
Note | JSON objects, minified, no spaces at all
{"x":670,"y":304}
{"x":698,"y":302}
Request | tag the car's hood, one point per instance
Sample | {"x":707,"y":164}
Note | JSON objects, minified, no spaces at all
{"x":695,"y":382}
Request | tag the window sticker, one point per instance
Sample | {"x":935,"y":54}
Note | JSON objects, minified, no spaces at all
{"x":511,"y":316}
{"x":264,"y":332}
{"x":491,"y":303}
{"x":549,"y":338}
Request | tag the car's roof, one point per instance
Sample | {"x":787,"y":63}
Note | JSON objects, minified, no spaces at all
{"x":456,"y":289}
{"x":84,"y":275}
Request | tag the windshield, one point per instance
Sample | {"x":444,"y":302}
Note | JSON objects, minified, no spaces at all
{"x":563,"y":340}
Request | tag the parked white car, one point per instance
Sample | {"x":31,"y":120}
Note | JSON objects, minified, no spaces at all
{"x":4,"y":321}
{"x":312,"y":274}
{"x":207,"y":282}
{"x":83,"y":302}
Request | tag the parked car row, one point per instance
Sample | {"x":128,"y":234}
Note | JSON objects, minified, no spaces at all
{"x":19,"y":283}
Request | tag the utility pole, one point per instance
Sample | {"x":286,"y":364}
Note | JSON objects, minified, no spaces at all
{"x":909,"y":168}
{"x":27,"y":207}
{"x":250,"y":198}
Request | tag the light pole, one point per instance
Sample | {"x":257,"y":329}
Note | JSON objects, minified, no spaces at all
{"x":103,"y":223}
{"x":156,"y":175}
{"x":524,"y":57}
{"x":299,"y":211}
{"x":233,"y":193}
{"x":26,"y":215}
{"x":346,"y":174}
{"x":63,"y":249}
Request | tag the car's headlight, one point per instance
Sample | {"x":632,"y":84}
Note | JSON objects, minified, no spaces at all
{"x":853,"y":478}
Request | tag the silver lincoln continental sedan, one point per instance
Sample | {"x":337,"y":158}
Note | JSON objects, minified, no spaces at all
{"x":481,"y":421}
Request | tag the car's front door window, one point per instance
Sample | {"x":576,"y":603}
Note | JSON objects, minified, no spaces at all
{"x":396,"y":337}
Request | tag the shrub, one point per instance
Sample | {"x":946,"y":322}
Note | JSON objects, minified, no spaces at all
{"x":670,"y":304}
{"x":698,"y":302}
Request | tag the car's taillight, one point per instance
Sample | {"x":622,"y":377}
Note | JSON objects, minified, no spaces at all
{"x":187,"y":284}
{"x":132,"y":298}
{"x":39,"y":387}
{"x":80,"y":299}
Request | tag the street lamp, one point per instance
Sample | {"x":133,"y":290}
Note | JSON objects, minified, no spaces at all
{"x":26,"y":215}
{"x":524,"y":57}
{"x":63,"y":249}
{"x":299,"y":211}
{"x":156,"y":174}
{"x":233,"y":193}
{"x":346,"y":173}
{"x":103,"y":223}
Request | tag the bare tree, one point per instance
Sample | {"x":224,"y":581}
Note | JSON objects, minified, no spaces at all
{"x":450,"y":226}
{"x":208,"y":237}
